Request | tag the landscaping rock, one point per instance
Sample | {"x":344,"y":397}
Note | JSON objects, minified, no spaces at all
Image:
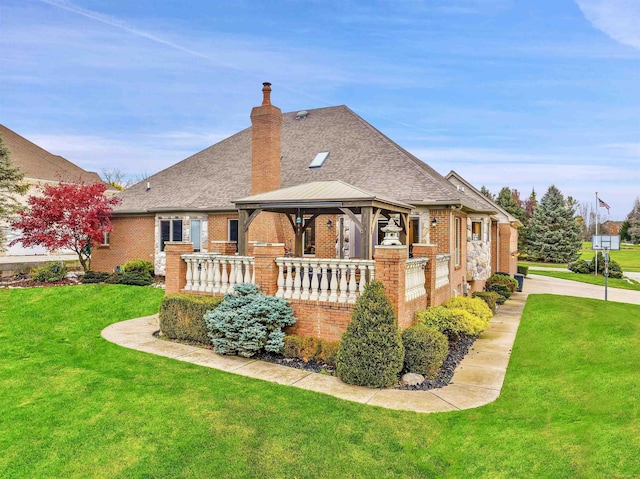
{"x":412,"y":379}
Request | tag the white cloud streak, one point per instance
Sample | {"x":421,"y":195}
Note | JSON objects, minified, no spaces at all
{"x":619,"y":19}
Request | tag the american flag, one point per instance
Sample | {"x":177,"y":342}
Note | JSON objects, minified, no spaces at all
{"x":603,"y":204}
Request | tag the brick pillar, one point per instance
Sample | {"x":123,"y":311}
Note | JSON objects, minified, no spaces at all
{"x":391,"y":271}
{"x":176,"y":268}
{"x":227,"y":248}
{"x":430,"y":251}
{"x":265,"y":266}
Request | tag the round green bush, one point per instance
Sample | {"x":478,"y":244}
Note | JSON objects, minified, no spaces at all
{"x":580,"y":266}
{"x":502,"y":278}
{"x":138,"y":265}
{"x":425,"y":349}
{"x":489,"y":297}
{"x":453,"y":322}
{"x":475,"y":306}
{"x":49,"y":273}
{"x":502,"y":289}
{"x":371,"y":352}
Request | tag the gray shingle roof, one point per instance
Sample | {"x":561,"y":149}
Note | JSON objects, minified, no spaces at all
{"x":359,"y":155}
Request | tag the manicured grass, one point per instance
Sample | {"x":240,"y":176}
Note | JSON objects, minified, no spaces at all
{"x":628,"y":256}
{"x":543,"y":265}
{"x":590,"y":279}
{"x":74,"y":405}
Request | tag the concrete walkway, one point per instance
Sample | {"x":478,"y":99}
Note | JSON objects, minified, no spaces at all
{"x":477,"y":380}
{"x":535,"y":284}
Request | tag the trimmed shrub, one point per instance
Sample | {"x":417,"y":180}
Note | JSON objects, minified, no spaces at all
{"x":489,"y":297}
{"x":49,"y":273}
{"x":502,"y":289}
{"x":95,"y":277}
{"x":248,"y":322}
{"x":371,"y":351}
{"x":615,"y":271}
{"x":580,"y":266}
{"x":134,"y":278}
{"x":425,"y":349}
{"x":503,"y":279}
{"x":139,"y":265}
{"x":310,"y":349}
{"x":453,"y":322}
{"x":182,"y":316}
{"x":524,"y":270}
{"x":474,"y":305}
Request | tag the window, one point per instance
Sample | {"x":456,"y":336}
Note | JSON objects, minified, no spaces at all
{"x":170,"y":230}
{"x":415,"y":229}
{"x":309,"y":238}
{"x":233,"y":230}
{"x":196,"y":234}
{"x":319,"y":159}
{"x":458,"y":241}
{"x":476,"y":230}
{"x":106,"y":239}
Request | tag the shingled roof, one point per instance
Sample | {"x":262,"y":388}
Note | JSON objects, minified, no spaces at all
{"x":38,"y":164}
{"x":359,"y":155}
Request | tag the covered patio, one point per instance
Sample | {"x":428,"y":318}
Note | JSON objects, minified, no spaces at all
{"x":302,"y":204}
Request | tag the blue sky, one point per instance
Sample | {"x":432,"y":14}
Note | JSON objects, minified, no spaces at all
{"x":519,"y":93}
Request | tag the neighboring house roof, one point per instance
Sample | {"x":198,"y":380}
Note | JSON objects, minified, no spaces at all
{"x":489,"y":205}
{"x":359,"y":155}
{"x":38,"y":164}
{"x":333,"y":193}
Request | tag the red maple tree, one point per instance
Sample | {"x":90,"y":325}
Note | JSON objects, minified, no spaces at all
{"x":67,"y":215}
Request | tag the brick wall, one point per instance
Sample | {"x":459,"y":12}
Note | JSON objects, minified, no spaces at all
{"x":326,"y":321}
{"x":133,"y":237}
{"x":218,"y":229}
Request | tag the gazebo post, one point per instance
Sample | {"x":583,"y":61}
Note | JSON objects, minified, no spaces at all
{"x":243,"y":227}
{"x":366,"y":240}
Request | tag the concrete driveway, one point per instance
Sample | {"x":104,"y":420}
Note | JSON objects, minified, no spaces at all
{"x":534,"y":284}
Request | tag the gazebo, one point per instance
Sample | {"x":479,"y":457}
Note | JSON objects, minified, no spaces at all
{"x":302,"y":204}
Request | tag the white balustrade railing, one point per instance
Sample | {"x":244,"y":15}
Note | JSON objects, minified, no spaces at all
{"x":317,"y":279}
{"x":442,"y":270}
{"x":215,"y":273}
{"x":414,"y":282}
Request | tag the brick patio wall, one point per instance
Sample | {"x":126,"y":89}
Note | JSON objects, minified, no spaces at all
{"x":132,"y":238}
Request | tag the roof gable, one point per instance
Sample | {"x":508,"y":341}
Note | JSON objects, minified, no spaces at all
{"x":38,"y":164}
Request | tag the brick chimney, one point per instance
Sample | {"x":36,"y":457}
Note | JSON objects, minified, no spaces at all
{"x":266,"y":134}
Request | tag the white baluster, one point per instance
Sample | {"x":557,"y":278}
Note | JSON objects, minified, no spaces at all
{"x":224,"y":278}
{"x":232,"y":275}
{"x":280,"y":292}
{"x":252,"y":261}
{"x":363,"y":277}
{"x":297,"y":282}
{"x":305,"y":281}
{"x":217,"y":287}
{"x":247,"y":272}
{"x":352,"y":283}
{"x":372,"y":272}
{"x":324,"y":283}
{"x":343,"y":284}
{"x":333,"y":296}
{"x":288,"y":282}
{"x":203,"y":274}
{"x":209,"y":287}
{"x":189,"y":284}
{"x":315,"y":269}
{"x":239,"y":275}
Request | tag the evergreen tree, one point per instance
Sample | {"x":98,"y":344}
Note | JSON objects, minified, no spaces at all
{"x":485,"y":191}
{"x":634,"y":222}
{"x":624,"y":231}
{"x":531,"y":204}
{"x":509,"y":200}
{"x":554,"y":235}
{"x":10,"y":186}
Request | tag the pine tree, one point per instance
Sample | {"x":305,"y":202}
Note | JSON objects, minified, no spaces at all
{"x":485,"y":191}
{"x":10,"y":186}
{"x":554,"y":235}
{"x":510,"y":201}
{"x":634,"y":222}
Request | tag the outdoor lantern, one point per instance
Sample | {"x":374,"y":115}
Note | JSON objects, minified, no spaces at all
{"x":298,"y":220}
{"x":329,"y":223}
{"x":434,"y":222}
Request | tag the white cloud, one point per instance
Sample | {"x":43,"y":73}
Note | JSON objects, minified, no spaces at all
{"x":619,"y":19}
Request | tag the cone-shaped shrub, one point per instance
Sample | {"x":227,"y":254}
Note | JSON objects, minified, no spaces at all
{"x":425,"y":350}
{"x":371,"y":351}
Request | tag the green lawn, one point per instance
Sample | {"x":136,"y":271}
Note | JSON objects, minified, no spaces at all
{"x":74,"y":405}
{"x":628,"y":256}
{"x":590,"y":279}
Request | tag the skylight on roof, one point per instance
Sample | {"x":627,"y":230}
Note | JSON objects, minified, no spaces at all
{"x":319,"y":159}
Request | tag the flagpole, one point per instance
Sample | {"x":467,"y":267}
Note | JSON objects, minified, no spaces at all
{"x":597,"y":205}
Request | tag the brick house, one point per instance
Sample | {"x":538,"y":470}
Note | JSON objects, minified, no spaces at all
{"x":39,"y":167}
{"x":321,"y":186}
